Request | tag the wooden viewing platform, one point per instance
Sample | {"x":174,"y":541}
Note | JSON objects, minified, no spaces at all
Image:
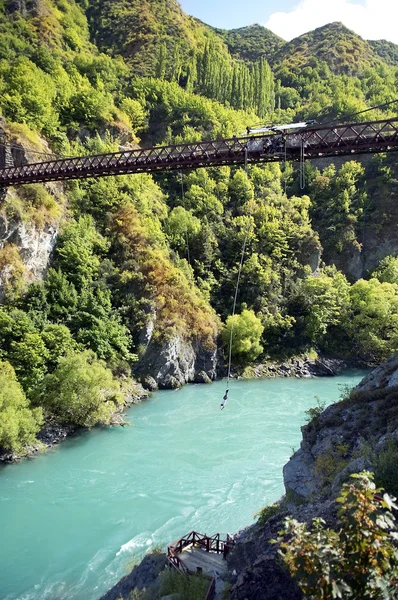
{"x":200,"y":553}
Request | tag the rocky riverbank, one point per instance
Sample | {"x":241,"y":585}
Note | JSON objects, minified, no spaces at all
{"x":53,"y":433}
{"x":347,"y":437}
{"x":299,"y":367}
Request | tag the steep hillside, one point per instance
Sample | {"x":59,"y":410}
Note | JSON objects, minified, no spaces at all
{"x":341,"y":49}
{"x":386,"y":50}
{"x":358,"y":434}
{"x":252,"y":42}
{"x":139,"y":272}
{"x":140,"y":30}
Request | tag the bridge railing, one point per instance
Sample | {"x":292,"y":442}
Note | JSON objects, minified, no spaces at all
{"x":209,"y":543}
{"x":309,"y":143}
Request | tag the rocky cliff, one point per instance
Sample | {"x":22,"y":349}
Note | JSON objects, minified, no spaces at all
{"x":347,"y":437}
{"x":29,"y":215}
{"x":171,"y":364}
{"x":358,"y":433}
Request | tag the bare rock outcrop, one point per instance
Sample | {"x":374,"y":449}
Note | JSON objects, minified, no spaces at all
{"x":332,"y":449}
{"x":175,"y":362}
{"x":34,"y":238}
{"x":35,"y":247}
{"x":143,"y":576}
{"x":336,"y":442}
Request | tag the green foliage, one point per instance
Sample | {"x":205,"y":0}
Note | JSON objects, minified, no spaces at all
{"x":191,"y":587}
{"x":58,"y":341}
{"x":372,"y":323}
{"x":266,"y":513}
{"x":357,"y":561}
{"x":246,"y":330}
{"x":387,"y":271}
{"x":250,"y":43}
{"x":386,"y":467}
{"x":79,"y":250}
{"x":330,"y":463}
{"x":18,"y":423}
{"x":12,"y":270}
{"x":80,"y":391}
{"x":313,"y":413}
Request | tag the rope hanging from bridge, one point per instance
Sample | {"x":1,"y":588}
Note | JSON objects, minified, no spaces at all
{"x":242,"y":257}
{"x":186,"y":224}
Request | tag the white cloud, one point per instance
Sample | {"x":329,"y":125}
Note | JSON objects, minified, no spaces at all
{"x":373,"y":19}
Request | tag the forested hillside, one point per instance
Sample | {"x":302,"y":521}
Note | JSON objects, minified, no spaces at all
{"x":141,"y":268}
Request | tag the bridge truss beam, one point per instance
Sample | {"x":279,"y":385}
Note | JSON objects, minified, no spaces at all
{"x":312,"y":143}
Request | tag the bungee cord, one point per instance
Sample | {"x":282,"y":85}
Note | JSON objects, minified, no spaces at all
{"x":186,"y":224}
{"x":224,"y":401}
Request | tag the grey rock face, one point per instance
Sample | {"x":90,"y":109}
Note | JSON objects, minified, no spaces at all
{"x":35,"y":247}
{"x":175,"y":363}
{"x":332,"y":444}
{"x":298,"y":475}
{"x":386,"y":375}
{"x":36,"y":8}
{"x":142,"y":576}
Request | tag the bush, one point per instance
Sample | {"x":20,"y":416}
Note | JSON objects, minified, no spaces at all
{"x":81,"y":391}
{"x":386,"y":467}
{"x":358,"y":561}
{"x":246,"y":331}
{"x":266,"y":513}
{"x":18,"y":423}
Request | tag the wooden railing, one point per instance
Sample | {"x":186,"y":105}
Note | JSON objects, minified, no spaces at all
{"x":211,"y":592}
{"x":200,"y":540}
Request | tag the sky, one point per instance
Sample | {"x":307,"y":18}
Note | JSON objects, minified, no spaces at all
{"x":371,"y":19}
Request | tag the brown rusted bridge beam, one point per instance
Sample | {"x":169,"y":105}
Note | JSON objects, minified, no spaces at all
{"x":310,"y":143}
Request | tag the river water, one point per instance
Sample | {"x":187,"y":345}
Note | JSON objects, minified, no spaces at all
{"x":74,"y":520}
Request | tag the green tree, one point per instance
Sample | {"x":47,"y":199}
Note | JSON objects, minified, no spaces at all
{"x":81,"y":391}
{"x":29,"y":357}
{"x":60,"y":296}
{"x":79,"y":249}
{"x":240,"y":188}
{"x":18,"y":423}
{"x":246,"y":331}
{"x":320,"y":302}
{"x":372,"y":322}
{"x":387,"y":271}
{"x":58,"y":341}
{"x":161,"y":62}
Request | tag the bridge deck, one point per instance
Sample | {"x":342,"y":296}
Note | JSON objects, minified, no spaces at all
{"x":315,"y":142}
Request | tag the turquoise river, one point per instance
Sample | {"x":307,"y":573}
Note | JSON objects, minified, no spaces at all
{"x":74,"y":520}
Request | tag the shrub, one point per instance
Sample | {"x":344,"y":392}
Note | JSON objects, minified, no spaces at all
{"x":81,"y":391}
{"x":358,"y":561}
{"x":386,"y":467}
{"x":315,"y":412}
{"x":18,"y":423}
{"x":266,"y":513}
{"x":246,"y":331}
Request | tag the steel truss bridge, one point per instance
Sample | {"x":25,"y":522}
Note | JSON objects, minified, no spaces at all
{"x":307,"y":144}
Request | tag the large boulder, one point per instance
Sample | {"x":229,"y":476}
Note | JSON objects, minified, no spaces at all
{"x":175,"y":362}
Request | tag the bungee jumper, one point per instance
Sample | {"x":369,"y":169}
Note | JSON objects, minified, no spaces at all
{"x":224,"y":400}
